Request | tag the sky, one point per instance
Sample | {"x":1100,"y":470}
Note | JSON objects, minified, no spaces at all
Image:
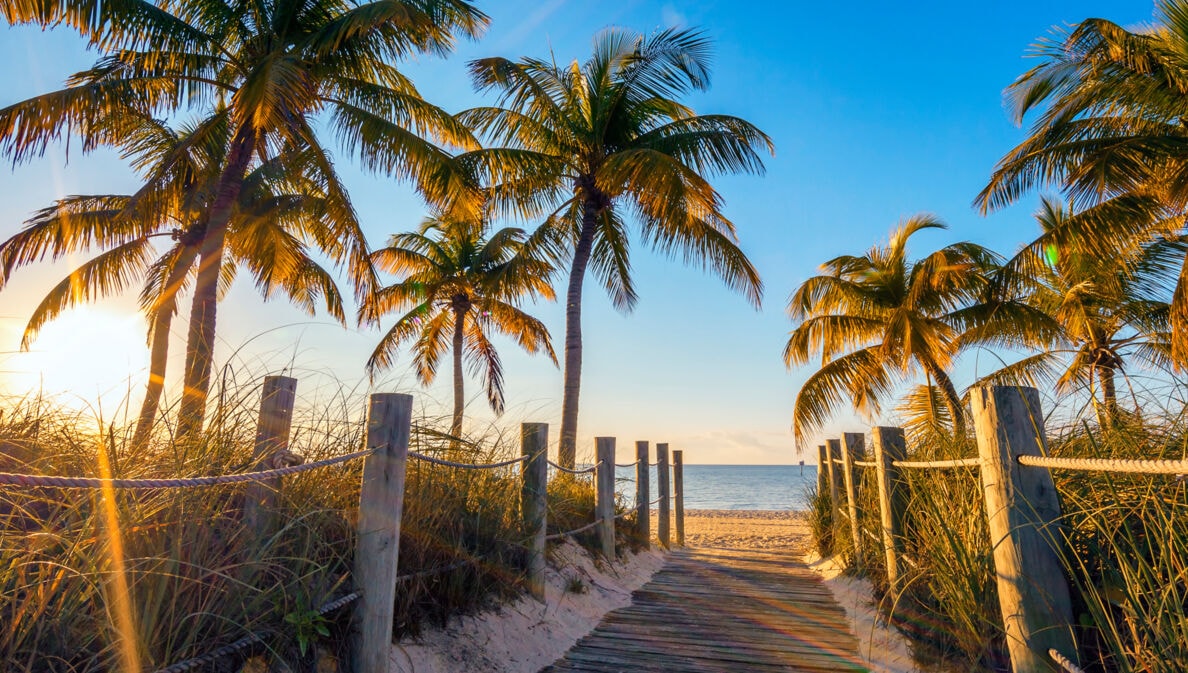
{"x":878,"y":111}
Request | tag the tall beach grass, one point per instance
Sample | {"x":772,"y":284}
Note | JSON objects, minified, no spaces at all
{"x":197,"y":579}
{"x":1124,"y":542}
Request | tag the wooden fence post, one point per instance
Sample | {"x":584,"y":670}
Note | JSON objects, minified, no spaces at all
{"x":604,"y":451}
{"x":678,"y":487}
{"x":855,"y":449}
{"x":534,"y":445}
{"x":835,"y":489}
{"x":822,"y":474}
{"x":889,"y":446}
{"x":643,"y":498}
{"x":663,"y":485}
{"x":1024,"y":514}
{"x":381,"y":504}
{"x":272,"y":437}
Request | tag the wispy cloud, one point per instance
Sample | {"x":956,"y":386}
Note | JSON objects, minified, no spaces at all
{"x":672,"y":17}
{"x":529,"y":25}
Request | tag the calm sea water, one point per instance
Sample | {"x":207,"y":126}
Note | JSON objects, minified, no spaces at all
{"x":735,"y":486}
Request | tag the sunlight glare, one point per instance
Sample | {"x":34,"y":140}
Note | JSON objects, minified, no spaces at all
{"x":87,"y":354}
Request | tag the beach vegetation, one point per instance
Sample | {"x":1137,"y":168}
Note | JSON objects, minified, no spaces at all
{"x":605,"y":143}
{"x":459,"y":283}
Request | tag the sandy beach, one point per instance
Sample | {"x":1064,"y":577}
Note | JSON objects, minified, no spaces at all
{"x":527,"y":634}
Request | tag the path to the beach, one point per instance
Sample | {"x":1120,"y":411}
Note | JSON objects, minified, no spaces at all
{"x":715,"y":609}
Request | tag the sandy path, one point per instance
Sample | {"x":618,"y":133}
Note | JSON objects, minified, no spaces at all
{"x":526,"y":635}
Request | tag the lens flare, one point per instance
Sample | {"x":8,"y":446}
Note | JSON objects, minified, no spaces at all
{"x":1051,"y":254}
{"x":120,"y":596}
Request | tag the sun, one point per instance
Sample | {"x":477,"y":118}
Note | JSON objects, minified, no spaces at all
{"x":86,"y":357}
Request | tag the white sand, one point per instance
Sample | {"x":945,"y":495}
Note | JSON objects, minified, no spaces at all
{"x":526,"y":635}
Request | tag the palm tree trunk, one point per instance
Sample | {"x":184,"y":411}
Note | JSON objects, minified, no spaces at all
{"x":952,"y":399}
{"x":159,"y":345}
{"x":567,"y":450}
{"x":459,"y":397}
{"x":1108,"y":412}
{"x":200,"y":340}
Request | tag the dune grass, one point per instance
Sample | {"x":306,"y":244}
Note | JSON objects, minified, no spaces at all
{"x":197,"y":579}
{"x":1124,"y":551}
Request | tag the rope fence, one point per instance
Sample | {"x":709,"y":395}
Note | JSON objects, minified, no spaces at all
{"x":247,"y":641}
{"x":567,"y":470}
{"x":938,"y":464}
{"x":1064,"y":662}
{"x":465,"y":466}
{"x":380,"y":510}
{"x":1011,"y":458}
{"x":1107,"y":465}
{"x":575,"y":531}
{"x":8,"y":479}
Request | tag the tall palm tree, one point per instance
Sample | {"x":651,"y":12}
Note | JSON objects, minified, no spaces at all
{"x":1109,"y":309}
{"x":277,"y":218}
{"x":876,"y":319}
{"x":458,"y":285}
{"x":606,"y":141}
{"x":1111,"y":105}
{"x":274,"y":66}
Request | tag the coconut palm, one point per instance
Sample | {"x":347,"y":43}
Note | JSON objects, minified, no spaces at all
{"x":458,"y":285}
{"x":277,"y":218}
{"x":275,"y":67}
{"x":607,"y":142}
{"x":876,"y":319}
{"x":1109,"y":309}
{"x":1110,"y":107}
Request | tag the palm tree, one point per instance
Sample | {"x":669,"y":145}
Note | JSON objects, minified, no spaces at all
{"x":876,"y":319}
{"x":278,"y":216}
{"x":1111,"y":106}
{"x":457,"y":286}
{"x":274,"y":66}
{"x":606,"y":140}
{"x":1108,"y":309}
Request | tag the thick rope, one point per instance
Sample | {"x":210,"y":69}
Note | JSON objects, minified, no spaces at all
{"x":191,"y":482}
{"x":627,"y":464}
{"x":1064,"y":662}
{"x":871,"y":535}
{"x":925,"y":464}
{"x":864,"y":463}
{"x":1107,"y":465}
{"x":566,"y":470}
{"x":575,"y":531}
{"x":465,"y":466}
{"x":247,"y":641}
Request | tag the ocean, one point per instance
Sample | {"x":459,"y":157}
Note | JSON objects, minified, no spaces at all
{"x":779,"y":487}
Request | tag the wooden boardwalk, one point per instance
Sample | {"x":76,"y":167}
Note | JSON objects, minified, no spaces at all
{"x":722,"y":610}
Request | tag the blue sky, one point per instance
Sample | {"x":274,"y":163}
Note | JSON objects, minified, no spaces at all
{"x":878,"y":111}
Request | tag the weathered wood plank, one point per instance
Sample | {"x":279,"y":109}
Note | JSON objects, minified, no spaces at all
{"x":711,"y":610}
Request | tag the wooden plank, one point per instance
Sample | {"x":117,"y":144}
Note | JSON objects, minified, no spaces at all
{"x":708,"y":611}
